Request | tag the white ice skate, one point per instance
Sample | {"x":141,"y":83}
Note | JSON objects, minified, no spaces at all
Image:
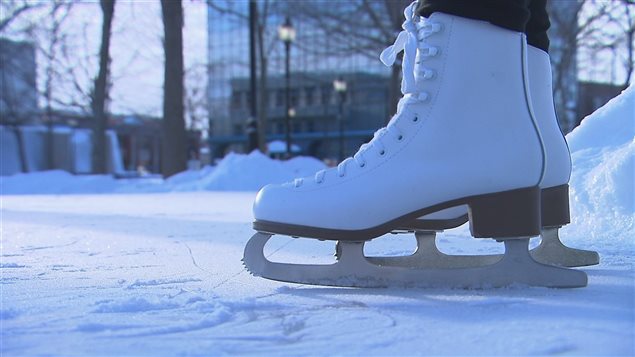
{"x":554,"y":195}
{"x":464,"y":134}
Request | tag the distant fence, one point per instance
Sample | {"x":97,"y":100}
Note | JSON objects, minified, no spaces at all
{"x":27,"y":149}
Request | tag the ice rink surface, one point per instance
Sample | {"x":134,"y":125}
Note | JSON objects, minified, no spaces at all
{"x":161,"y":274}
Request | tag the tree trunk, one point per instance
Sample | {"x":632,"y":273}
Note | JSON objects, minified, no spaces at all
{"x":630,"y":63}
{"x":263,"y":100}
{"x":100,"y":93}
{"x":263,"y":97}
{"x":174,"y":150}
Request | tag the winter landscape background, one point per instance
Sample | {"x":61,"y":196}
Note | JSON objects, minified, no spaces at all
{"x":96,"y":266}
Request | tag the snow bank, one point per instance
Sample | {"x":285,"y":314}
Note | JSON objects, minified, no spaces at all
{"x":58,"y":182}
{"x":236,"y":172}
{"x":602,"y":182}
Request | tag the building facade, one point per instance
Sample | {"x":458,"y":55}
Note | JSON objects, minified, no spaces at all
{"x":321,"y":119}
{"x":18,"y":87}
{"x":316,"y":61}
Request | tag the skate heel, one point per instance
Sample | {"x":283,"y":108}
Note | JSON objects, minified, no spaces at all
{"x":554,"y":203}
{"x":508,"y":214}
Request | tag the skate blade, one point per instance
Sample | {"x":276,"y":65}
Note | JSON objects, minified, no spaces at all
{"x":516,"y":267}
{"x":551,"y":251}
{"x":428,"y":255}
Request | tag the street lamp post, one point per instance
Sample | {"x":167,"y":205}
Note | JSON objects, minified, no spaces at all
{"x":340,"y":88}
{"x":286,"y":33}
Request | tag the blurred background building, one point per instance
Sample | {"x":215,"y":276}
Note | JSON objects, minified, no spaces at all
{"x":316,"y":111}
{"x":18,"y":87}
{"x":326,"y":120}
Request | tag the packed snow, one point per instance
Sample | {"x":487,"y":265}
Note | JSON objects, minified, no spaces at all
{"x":153,"y":268}
{"x":235,"y":172}
{"x":603,"y":180}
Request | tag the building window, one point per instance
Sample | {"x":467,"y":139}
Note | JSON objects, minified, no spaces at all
{"x":294,"y":95}
{"x":297,"y":127}
{"x":238,"y":129}
{"x":309,"y":95}
{"x":248,"y":97}
{"x":310,"y":126}
{"x":326,"y":94}
{"x":280,"y":98}
{"x":236,"y":99}
{"x":271,"y":98}
{"x":280,"y":127}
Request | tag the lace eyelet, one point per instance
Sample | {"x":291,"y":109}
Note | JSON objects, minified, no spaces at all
{"x":362,"y":165}
{"x":400,"y":138}
{"x":415,"y":119}
{"x":382,"y":153}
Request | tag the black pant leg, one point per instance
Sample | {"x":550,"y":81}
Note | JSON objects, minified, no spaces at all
{"x":538,"y":25}
{"x":509,"y":14}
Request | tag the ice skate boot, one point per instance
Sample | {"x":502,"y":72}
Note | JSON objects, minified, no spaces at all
{"x":554,"y":194}
{"x":464,"y":134}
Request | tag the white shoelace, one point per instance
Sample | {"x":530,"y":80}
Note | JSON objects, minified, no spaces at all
{"x":415,"y":30}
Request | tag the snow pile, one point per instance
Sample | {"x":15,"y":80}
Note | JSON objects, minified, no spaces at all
{"x":603,"y":154}
{"x":280,"y":147}
{"x":62,"y":182}
{"x":236,"y":172}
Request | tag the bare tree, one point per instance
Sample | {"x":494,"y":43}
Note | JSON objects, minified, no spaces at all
{"x":64,"y":72}
{"x":12,"y":10}
{"x":60,"y":11}
{"x":100,"y":93}
{"x":46,"y":25}
{"x":49,"y":35}
{"x":196,"y":110}
{"x":582,"y":32}
{"x":629,"y":9}
{"x":174,"y":151}
{"x":263,"y":51}
{"x":564,"y":33}
{"x":608,"y":28}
